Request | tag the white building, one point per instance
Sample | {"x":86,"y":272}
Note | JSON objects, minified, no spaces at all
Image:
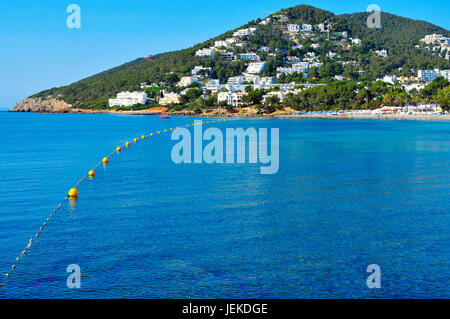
{"x":205,"y":52}
{"x":409,"y":87}
{"x":297,"y":46}
{"x":236,"y":80}
{"x":292,"y":59}
{"x":265,"y":21}
{"x":232,"y":98}
{"x":295,"y":28}
{"x":356,"y":41}
{"x":390,"y":79}
{"x":382,"y":53}
{"x":306,"y":27}
{"x":196,"y":70}
{"x":169,"y":98}
{"x":430,"y":75}
{"x":229,"y":56}
{"x":225,"y":43}
{"x":213,"y":85}
{"x":128,"y":99}
{"x":434,"y":38}
{"x":187,"y":80}
{"x":221,"y":43}
{"x":241,"y":44}
{"x":321,"y":27}
{"x":244,"y":32}
{"x":256,"y":67}
{"x":301,"y":67}
{"x":331,"y":54}
{"x":279,"y":94}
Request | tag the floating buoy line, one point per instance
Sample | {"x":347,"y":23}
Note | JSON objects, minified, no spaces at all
{"x":73,"y":192}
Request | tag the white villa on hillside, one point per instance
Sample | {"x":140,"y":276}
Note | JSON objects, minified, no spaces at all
{"x":244,"y":32}
{"x":205,"y":52}
{"x":356,"y":41}
{"x":232,"y":98}
{"x":430,"y":75}
{"x":128,"y":99}
{"x":256,"y":67}
{"x":382,"y":53}
{"x":187,"y":80}
{"x":170,"y":98}
{"x":295,"y":28}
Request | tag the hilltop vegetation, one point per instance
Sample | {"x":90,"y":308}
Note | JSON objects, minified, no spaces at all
{"x":398,"y":36}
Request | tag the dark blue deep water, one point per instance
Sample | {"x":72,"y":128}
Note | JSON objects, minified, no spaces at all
{"x":348,"y":193}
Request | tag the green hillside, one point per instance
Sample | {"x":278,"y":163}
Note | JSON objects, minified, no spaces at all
{"x":398,"y":35}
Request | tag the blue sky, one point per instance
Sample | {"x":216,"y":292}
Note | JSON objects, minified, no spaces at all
{"x":38,"y":51}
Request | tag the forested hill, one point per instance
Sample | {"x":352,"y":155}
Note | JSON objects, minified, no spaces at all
{"x":397,"y":35}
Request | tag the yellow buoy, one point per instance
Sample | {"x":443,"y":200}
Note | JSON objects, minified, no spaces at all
{"x":165,"y":130}
{"x":105,"y":160}
{"x":151,"y":134}
{"x":6,"y":275}
{"x":91,"y":173}
{"x":127,"y":144}
{"x":73,"y":192}
{"x":171,"y":129}
{"x":187,"y":125}
{"x":118,"y":149}
{"x":159,"y":132}
{"x":143,"y":136}
{"x":135,"y":140}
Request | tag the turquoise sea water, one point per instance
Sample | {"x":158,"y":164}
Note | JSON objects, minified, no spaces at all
{"x":348,"y":193}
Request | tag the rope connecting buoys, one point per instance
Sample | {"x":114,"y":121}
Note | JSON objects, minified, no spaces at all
{"x":73,"y":193}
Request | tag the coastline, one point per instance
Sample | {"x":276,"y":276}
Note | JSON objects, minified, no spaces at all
{"x":277,"y":114}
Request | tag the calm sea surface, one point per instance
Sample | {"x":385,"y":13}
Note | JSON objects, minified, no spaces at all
{"x":348,"y":193}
